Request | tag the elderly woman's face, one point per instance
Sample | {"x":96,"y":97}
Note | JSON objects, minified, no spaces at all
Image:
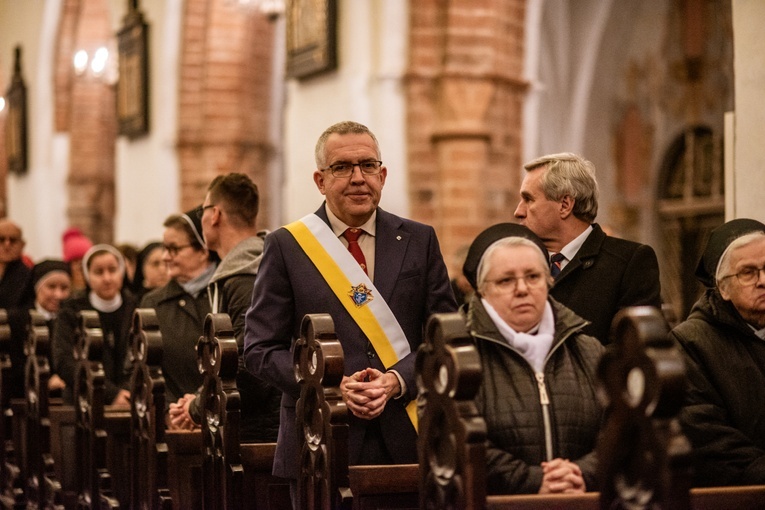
{"x":516,"y":286}
{"x":749,"y":299}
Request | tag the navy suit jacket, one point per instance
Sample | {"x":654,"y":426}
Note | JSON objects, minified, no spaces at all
{"x":410,"y":275}
{"x":606,"y":275}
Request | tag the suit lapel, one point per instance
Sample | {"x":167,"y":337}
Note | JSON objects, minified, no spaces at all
{"x":585,"y":257}
{"x":391,"y":242}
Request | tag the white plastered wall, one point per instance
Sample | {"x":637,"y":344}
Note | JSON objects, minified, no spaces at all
{"x":366,"y":87}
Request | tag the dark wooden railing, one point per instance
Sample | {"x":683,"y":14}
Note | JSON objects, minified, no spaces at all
{"x":11,"y":478}
{"x":318,"y":360}
{"x":148,"y":465}
{"x":95,"y":482}
{"x":43,"y":488}
{"x":235,"y":475}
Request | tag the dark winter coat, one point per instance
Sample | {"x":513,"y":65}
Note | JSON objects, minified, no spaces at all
{"x":724,"y":416}
{"x":606,"y":275}
{"x":181,"y":318}
{"x":510,"y":402}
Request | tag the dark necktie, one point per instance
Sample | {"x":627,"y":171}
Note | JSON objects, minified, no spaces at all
{"x":352,"y":236}
{"x":555,"y":264}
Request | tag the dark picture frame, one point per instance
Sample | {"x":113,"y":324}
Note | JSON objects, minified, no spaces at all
{"x":133,"y":83}
{"x":311,"y":37}
{"x":16,"y":127}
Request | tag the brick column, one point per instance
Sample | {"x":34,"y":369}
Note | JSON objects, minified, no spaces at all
{"x":224,"y":98}
{"x":464,"y":93}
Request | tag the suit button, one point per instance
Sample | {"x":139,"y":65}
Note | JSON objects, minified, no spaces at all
{"x":182,"y":302}
{"x":371,"y":354}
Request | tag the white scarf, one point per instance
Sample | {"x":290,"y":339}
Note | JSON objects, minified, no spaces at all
{"x":533,"y":346}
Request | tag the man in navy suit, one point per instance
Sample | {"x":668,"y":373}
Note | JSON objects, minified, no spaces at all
{"x":597,"y":275}
{"x":402,"y":268}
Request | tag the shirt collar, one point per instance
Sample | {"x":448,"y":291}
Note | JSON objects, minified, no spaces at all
{"x":571,"y":249}
{"x":338,"y":227}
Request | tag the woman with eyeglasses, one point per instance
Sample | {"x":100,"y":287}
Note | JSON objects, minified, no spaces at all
{"x":104,"y":271}
{"x":182,"y":303}
{"x":539,"y":369}
{"x":723,"y":342}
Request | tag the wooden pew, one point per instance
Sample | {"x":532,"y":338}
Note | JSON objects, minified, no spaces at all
{"x":235,"y":476}
{"x":11,"y":480}
{"x":326,"y":481}
{"x":184,"y":465}
{"x":322,"y":416}
{"x":95,"y":484}
{"x":148,"y":452}
{"x":43,"y":489}
{"x":451,"y":441}
{"x":642,"y":451}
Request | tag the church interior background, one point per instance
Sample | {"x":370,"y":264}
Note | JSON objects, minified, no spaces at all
{"x":460,"y":94}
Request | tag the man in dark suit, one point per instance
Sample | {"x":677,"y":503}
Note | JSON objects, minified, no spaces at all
{"x":403,"y":260}
{"x":595,"y":274}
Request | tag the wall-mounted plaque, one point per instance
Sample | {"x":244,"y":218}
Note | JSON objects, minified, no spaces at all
{"x":311,"y":37}
{"x":133,"y":84}
{"x":16,"y":123}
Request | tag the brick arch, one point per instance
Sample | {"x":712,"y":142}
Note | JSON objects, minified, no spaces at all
{"x":224,"y":97}
{"x":84,"y":107}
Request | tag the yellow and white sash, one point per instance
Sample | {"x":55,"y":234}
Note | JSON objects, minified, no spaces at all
{"x":355,"y":291}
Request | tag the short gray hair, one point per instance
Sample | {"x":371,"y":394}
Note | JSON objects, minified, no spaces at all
{"x":723,"y":266}
{"x":346,"y":127}
{"x":572,"y":175}
{"x":484,"y":266}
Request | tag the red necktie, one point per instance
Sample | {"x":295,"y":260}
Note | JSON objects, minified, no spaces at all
{"x":352,"y":236}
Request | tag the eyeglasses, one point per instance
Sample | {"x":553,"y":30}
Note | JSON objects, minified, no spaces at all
{"x":10,"y":240}
{"x":342,"y":170}
{"x":201,"y":212}
{"x":747,"y":276}
{"x":510,"y":283}
{"x":173,"y":249}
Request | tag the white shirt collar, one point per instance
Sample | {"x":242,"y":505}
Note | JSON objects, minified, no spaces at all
{"x":338,"y":227}
{"x":570,"y":250}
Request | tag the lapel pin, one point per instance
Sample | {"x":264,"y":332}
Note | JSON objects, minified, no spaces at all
{"x":398,"y":238}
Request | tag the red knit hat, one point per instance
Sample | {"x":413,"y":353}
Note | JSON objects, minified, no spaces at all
{"x":75,"y":244}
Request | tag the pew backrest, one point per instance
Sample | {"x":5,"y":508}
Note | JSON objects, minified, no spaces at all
{"x":43,"y":488}
{"x":452,"y":435}
{"x":148,"y":450}
{"x":322,"y":416}
{"x":94,"y":482}
{"x":222,"y":471}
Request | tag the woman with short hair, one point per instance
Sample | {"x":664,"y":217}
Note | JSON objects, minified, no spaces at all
{"x":539,"y":370}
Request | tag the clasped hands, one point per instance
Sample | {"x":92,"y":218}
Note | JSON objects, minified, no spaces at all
{"x":178,"y":416}
{"x":366,"y":392}
{"x":561,"y":476}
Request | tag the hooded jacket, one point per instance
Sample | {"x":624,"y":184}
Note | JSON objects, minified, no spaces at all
{"x":519,"y":426}
{"x":724,"y":415}
{"x":230,"y":291}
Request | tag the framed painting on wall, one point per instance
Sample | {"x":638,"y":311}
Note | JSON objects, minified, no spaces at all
{"x":311,"y":37}
{"x":133,"y":84}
